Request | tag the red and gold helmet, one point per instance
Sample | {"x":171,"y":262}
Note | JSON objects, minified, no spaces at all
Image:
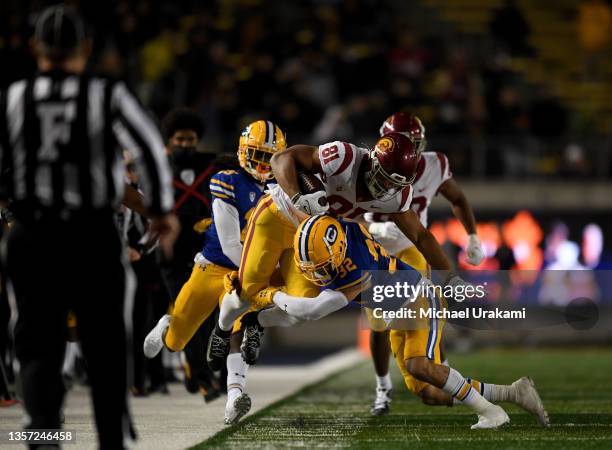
{"x":258,"y":142}
{"x":393,"y":165}
{"x":408,"y":124}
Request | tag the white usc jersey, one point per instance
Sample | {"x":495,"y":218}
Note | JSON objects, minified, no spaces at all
{"x":433,"y":170}
{"x":340,"y":162}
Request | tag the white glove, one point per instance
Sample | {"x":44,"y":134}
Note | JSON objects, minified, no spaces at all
{"x":385,"y":230}
{"x":475,"y":252}
{"x":312,"y":204}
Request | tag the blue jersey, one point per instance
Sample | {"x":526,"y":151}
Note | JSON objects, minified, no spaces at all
{"x":239,"y":190}
{"x":363,"y":254}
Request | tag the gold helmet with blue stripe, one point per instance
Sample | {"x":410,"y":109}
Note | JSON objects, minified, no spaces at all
{"x":319,"y":248}
{"x":258,"y":142}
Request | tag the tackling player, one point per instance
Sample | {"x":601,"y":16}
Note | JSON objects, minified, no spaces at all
{"x":235,"y":193}
{"x":356,"y":181}
{"x":339,"y":256}
{"x":433,"y":176}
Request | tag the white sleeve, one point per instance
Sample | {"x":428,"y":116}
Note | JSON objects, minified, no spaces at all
{"x":336,"y":157}
{"x":315,"y":308}
{"x":276,"y":317}
{"x":445,"y":172}
{"x":228,"y":229}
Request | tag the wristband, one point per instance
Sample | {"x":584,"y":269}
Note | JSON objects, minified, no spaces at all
{"x":296,"y":197}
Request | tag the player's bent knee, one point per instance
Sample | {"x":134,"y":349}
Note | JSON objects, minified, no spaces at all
{"x":420,"y":368}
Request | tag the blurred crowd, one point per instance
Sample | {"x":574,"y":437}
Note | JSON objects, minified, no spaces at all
{"x":325,"y":69}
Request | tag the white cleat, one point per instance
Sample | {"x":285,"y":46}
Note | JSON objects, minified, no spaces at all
{"x":236,"y":410}
{"x":154,"y":341}
{"x":493,"y":417}
{"x":381,"y":404}
{"x":527,"y":397}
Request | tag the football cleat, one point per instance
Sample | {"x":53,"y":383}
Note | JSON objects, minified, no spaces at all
{"x":527,"y":397}
{"x":154,"y":341}
{"x":251,"y":341}
{"x":236,"y":409}
{"x":218,"y":348}
{"x":208,"y":392}
{"x":493,"y":417}
{"x":382,"y":403}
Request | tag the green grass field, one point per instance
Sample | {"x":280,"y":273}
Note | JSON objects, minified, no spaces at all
{"x":574,"y":385}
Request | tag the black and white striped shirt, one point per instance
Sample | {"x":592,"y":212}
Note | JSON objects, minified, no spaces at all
{"x":61,"y":141}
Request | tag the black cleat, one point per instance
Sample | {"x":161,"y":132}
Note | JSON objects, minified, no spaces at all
{"x":251,"y":342}
{"x":218,"y":348}
{"x":209,"y":393}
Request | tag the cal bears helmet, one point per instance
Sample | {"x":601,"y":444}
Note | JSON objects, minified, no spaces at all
{"x":319,"y":248}
{"x":258,"y":142}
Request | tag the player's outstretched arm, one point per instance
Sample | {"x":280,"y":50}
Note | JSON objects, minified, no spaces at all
{"x":316,"y":308}
{"x":286,"y":163}
{"x":463,"y":211}
{"x":410,"y":225}
{"x":461,"y":207}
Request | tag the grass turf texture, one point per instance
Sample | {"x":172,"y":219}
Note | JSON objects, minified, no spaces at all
{"x":574,"y":385}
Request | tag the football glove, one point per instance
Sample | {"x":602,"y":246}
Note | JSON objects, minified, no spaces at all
{"x":385,"y":230}
{"x":475,"y":252}
{"x":311,"y":204}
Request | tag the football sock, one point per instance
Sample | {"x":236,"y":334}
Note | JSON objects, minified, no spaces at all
{"x":384,"y":382}
{"x":276,"y":317}
{"x":494,"y":393}
{"x":236,"y":375}
{"x":460,"y":389}
{"x":232,"y":307}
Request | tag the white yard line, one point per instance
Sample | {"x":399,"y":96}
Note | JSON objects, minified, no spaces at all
{"x":182,"y":420}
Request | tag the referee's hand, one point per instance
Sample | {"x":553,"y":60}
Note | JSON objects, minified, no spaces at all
{"x":167,"y":227}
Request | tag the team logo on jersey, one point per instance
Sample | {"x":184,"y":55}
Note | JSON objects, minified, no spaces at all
{"x":385,"y":145}
{"x":252,"y":196}
{"x":187,"y":176}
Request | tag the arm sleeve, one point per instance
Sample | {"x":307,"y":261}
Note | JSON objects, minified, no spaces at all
{"x":445,"y":172}
{"x":137,"y":133}
{"x":228,"y":229}
{"x":303,"y":308}
{"x":335,"y":157}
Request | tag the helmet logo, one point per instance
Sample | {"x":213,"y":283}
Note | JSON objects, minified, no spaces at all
{"x":331,"y":234}
{"x":385,"y":145}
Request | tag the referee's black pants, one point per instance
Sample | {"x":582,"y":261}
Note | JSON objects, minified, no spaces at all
{"x":55,"y":265}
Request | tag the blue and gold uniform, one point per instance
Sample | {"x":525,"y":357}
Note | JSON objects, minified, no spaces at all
{"x":363,"y":254}
{"x":205,"y":288}
{"x":339,"y":255}
{"x":240,"y":190}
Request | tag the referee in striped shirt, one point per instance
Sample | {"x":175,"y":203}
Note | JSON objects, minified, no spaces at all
{"x":61,"y":168}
